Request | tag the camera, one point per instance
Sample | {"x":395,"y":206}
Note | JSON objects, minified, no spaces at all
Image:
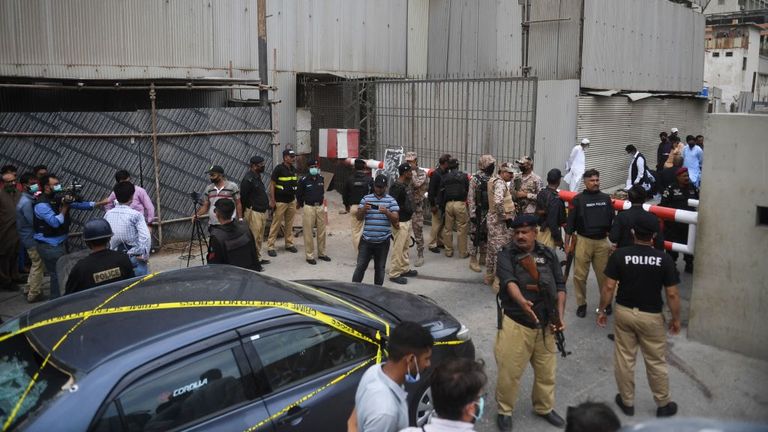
{"x":72,"y":192}
{"x":195,"y":197}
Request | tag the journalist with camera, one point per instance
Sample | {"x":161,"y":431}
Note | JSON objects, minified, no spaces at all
{"x":52,"y":221}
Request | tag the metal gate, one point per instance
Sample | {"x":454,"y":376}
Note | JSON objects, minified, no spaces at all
{"x":463,"y":117}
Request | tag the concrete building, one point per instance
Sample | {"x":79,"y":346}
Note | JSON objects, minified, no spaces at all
{"x":731,"y":279}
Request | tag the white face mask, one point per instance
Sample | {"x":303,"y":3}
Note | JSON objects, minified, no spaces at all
{"x":411,"y":379}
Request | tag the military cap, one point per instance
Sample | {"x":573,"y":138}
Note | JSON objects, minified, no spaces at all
{"x":486,"y":161}
{"x":411,"y":156}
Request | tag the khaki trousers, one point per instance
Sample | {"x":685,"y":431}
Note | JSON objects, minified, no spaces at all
{"x":313,"y":217}
{"x":634,"y":328}
{"x":35,"y":279}
{"x":436,"y":233}
{"x":589,"y":251}
{"x":256,"y":222}
{"x":357,"y":226}
{"x":516,"y":346}
{"x":545,"y":237}
{"x":456,"y":213}
{"x":283,"y":216}
{"x":399,"y":262}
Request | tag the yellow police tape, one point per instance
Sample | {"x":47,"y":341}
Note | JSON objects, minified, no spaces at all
{"x":304,"y":310}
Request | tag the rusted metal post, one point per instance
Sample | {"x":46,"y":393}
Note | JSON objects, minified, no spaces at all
{"x":261,"y":6}
{"x":156,"y":159}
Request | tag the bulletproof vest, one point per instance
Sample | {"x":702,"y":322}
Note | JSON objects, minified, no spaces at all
{"x":454,"y":186}
{"x":543,"y":200}
{"x":399,"y":192}
{"x":509,"y":204}
{"x":286,"y":184}
{"x":544,"y":258}
{"x":596,"y":211}
{"x":481,"y":193}
{"x":240,"y":250}
{"x":361,"y":186}
{"x":42,"y":227}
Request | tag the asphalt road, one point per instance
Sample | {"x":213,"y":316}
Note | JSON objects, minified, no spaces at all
{"x":705,"y":381}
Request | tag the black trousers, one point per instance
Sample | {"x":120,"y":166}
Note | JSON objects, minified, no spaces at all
{"x":366,"y":251}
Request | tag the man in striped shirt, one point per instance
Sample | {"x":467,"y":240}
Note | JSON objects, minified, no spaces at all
{"x":219,"y":188}
{"x":379,"y":211}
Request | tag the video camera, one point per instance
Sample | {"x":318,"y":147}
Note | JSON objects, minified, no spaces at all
{"x":196,"y":197}
{"x":72,"y":192}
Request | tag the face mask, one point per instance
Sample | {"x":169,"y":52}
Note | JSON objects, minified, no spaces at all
{"x":480,"y":408}
{"x":57,"y":188}
{"x":314,"y":171}
{"x":410,"y":379}
{"x":214,"y":180}
{"x":34,"y":188}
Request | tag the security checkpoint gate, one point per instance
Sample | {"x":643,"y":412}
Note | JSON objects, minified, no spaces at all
{"x":664,"y":213}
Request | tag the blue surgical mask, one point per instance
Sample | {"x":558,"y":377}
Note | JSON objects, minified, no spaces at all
{"x":314,"y":171}
{"x":33,"y":188}
{"x":57,"y":188}
{"x":480,"y":408}
{"x":411,"y":379}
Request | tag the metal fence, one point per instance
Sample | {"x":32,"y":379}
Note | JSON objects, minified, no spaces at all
{"x":91,"y":146}
{"x":464,"y":117}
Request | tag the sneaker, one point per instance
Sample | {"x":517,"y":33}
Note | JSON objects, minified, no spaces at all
{"x":581,"y":311}
{"x":271,"y":253}
{"x":410,"y":273}
{"x":667,"y":410}
{"x":324,"y":258}
{"x":292,"y":249}
{"x":504,"y":422}
{"x":627,"y":410}
{"x":312,"y":261}
{"x":399,"y":280}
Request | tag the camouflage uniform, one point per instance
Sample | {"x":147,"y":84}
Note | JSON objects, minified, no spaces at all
{"x":531,"y":184}
{"x":501,"y":208}
{"x":416,"y":189}
{"x":476,"y":179}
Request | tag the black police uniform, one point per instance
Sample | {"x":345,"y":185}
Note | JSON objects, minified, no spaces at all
{"x":356,"y":187}
{"x":675,"y":196}
{"x":232,"y":243}
{"x":621,"y":233}
{"x":285,"y":181}
{"x":399,"y":191}
{"x":454,"y":186}
{"x":253,"y":194}
{"x":551,"y":212}
{"x":311,"y":191}
{"x":99,"y":268}
{"x":433,"y":192}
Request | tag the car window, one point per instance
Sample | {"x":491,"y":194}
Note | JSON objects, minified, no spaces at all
{"x":183,"y":393}
{"x":295,"y":353}
{"x":110,"y":421}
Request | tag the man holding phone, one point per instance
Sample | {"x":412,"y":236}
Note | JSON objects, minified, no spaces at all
{"x":379,"y":213}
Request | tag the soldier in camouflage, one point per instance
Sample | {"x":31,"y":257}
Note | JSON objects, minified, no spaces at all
{"x":530,"y":185}
{"x":501,"y":210}
{"x":416,"y":190}
{"x":477,"y":201}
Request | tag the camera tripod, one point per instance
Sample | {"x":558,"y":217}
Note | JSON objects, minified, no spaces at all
{"x":197,"y":232}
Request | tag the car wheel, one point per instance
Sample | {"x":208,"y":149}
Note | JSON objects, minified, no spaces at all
{"x":421,"y":406}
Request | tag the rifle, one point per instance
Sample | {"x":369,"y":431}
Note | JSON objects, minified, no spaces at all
{"x":528,"y":263}
{"x":569,"y":258}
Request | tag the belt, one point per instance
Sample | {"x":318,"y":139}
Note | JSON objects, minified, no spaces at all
{"x":641,"y":309}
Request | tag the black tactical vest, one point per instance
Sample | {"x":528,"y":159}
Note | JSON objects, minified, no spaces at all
{"x":42,"y":227}
{"x":454,"y":186}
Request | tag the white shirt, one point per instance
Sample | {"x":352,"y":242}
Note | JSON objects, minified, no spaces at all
{"x":381,"y":404}
{"x":640,"y":170}
{"x":577,"y":160}
{"x":440,"y":425}
{"x":129,"y":231}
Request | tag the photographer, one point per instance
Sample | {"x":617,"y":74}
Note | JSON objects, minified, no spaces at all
{"x":51,"y":223}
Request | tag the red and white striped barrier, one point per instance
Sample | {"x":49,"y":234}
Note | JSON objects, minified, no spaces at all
{"x":374,"y":164}
{"x":338,"y":143}
{"x":664,"y":213}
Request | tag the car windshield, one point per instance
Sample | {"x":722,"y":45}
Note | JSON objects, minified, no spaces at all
{"x":18,"y":364}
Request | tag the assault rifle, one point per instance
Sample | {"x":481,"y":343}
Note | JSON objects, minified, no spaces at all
{"x":550,"y":304}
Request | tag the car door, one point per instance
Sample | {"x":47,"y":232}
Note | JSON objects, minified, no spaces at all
{"x":212,"y":389}
{"x":299,"y":358}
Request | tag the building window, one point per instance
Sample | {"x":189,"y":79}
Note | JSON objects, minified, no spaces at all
{"x":715,"y":54}
{"x":729,"y":53}
{"x":762,"y":216}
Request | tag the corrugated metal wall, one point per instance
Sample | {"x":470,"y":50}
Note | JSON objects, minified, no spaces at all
{"x":418,"y":37}
{"x":555,"y":39}
{"x":184,"y":160}
{"x":611,"y":123}
{"x":474,"y":37}
{"x":650,"y":45}
{"x":111,"y":39}
{"x":556,"y":110}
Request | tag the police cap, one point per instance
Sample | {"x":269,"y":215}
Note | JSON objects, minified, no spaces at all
{"x":256,"y":160}
{"x":525,"y":220}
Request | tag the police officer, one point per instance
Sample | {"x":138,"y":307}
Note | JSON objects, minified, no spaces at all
{"x":255,"y":202}
{"x":355,"y":188}
{"x":621,"y":231}
{"x":454,"y":186}
{"x":641,"y":272}
{"x":310,"y":196}
{"x":532,"y":299}
{"x":103,"y":265}
{"x":591,"y":220}
{"x":231,"y":241}
{"x":282,"y":198}
{"x":676,"y":196}
{"x":501,"y":212}
{"x":530,"y":185}
{"x":435,"y":206}
{"x":417,"y":187}
{"x":550,"y":210}
{"x":477,"y":204}
{"x":400,"y":268}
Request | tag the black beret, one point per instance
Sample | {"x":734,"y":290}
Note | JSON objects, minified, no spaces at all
{"x":525,"y":220}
